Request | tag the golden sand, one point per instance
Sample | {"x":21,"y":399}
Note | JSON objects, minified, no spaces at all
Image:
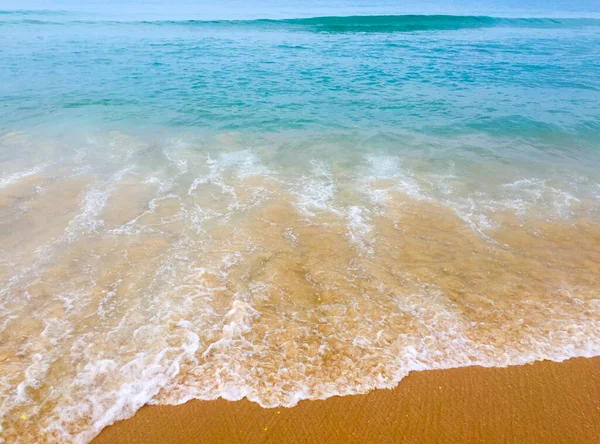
{"x":545,"y":402}
{"x":132,"y":289}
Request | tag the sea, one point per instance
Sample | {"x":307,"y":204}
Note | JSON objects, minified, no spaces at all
{"x":285,"y":201}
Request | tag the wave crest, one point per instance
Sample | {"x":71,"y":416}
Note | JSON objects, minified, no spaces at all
{"x":336,"y":24}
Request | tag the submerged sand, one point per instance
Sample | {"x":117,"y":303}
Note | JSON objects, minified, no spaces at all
{"x":173,"y":273}
{"x":544,"y":402}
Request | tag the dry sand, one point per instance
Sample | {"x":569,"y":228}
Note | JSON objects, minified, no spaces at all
{"x":545,"y":402}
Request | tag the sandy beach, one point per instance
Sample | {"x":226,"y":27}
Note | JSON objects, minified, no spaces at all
{"x":324,"y":221}
{"x":536,"y":403}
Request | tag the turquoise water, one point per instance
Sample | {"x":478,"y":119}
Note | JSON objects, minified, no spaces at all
{"x":529,"y":86}
{"x":532,"y":78}
{"x":433,"y":74}
{"x":288,"y":201}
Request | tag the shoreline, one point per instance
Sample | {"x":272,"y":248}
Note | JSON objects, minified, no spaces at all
{"x":540,"y":402}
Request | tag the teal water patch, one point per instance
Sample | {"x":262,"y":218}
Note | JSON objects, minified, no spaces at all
{"x":464,"y":74}
{"x":408,"y":23}
{"x":518,"y":86}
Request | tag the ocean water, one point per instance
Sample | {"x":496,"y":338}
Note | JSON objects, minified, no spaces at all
{"x":288,"y":202}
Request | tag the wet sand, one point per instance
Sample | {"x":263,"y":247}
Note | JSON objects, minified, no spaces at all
{"x":544,"y":402}
{"x":196,"y":274}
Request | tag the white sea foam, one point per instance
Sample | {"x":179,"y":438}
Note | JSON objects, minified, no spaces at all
{"x":245,"y":162}
{"x":93,"y":204}
{"x":239,"y":164}
{"x":105,"y":389}
{"x":388,"y":169}
{"x":315,"y":192}
{"x":360,"y":227}
{"x":524,"y":197}
{"x":16,"y":177}
{"x":205,"y":306}
{"x":556,"y":203}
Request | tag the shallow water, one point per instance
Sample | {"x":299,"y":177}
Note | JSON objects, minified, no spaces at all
{"x":287,"y":210}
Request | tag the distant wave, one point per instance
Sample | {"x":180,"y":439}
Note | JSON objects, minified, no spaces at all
{"x":407,"y":23}
{"x":370,"y":23}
